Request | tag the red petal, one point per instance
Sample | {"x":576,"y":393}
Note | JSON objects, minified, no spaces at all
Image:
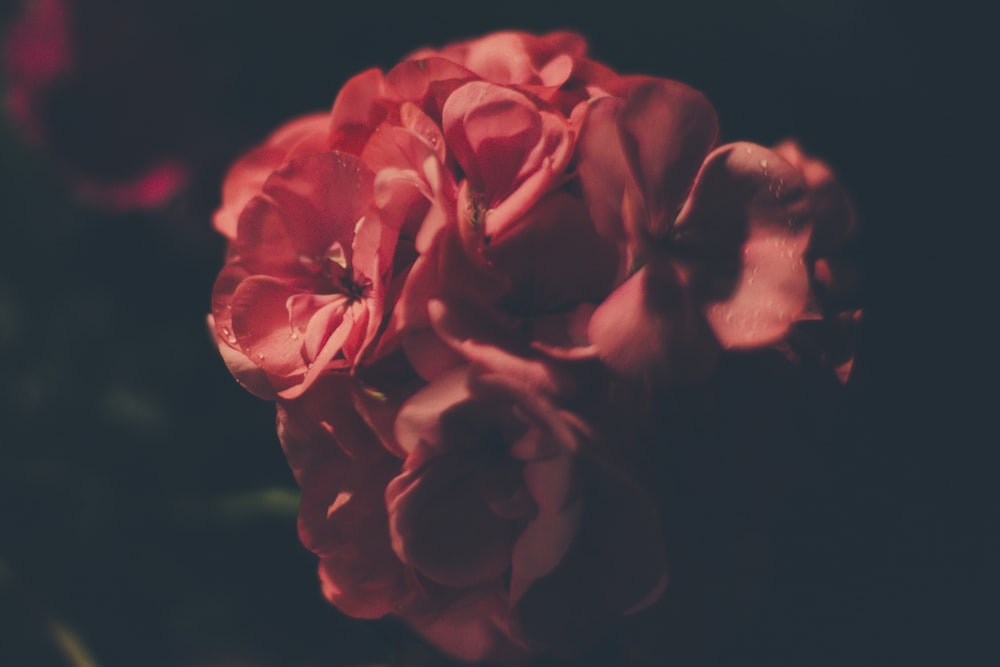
{"x":650,"y":327}
{"x":667,"y":128}
{"x":262,"y":329}
{"x":320,"y":199}
{"x":742,"y":236}
{"x":441,"y":525}
{"x":602,"y":167}
{"x":357,"y":111}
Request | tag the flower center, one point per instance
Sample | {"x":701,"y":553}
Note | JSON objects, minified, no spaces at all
{"x":335,"y":268}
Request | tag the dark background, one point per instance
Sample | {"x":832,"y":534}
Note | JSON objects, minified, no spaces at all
{"x":144,"y":500}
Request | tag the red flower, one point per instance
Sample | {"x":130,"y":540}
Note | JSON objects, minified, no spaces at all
{"x":469,"y":288}
{"x":311,"y":294}
{"x":717,"y":238}
{"x":501,"y":484}
{"x":320,"y":237}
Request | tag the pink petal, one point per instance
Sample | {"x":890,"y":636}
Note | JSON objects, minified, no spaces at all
{"x":491,"y":129}
{"x":509,"y":149}
{"x":833,"y":219}
{"x":667,"y":128}
{"x":473,"y":629}
{"x":262,"y":330}
{"x":555,"y":258}
{"x":477,"y":336}
{"x":315,"y":317}
{"x":323,"y":423}
{"x":429,"y":355}
{"x":564,"y":336}
{"x":321,"y":198}
{"x":357,"y":111}
{"x":542,"y":546}
{"x":263,"y":244}
{"x":418,"y":423}
{"x":772,"y":292}
{"x":355,"y":319}
{"x":428,"y":76}
{"x":742,"y":236}
{"x":441,"y":526}
{"x":650,"y":327}
{"x":362,"y":588}
{"x":602,"y":167}
{"x":250,"y":376}
{"x":247,"y":175}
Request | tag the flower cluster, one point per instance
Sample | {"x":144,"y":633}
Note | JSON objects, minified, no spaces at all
{"x":459,"y":284}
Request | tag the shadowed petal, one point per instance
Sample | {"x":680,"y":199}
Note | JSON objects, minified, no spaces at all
{"x":667,"y":128}
{"x":650,"y":327}
{"x":742,"y":237}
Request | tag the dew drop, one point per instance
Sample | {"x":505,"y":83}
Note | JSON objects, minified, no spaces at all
{"x":260,"y":356}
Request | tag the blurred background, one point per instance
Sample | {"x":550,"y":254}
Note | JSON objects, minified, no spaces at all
{"x":147,"y":517}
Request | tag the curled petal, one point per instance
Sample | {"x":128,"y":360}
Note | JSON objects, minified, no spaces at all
{"x":346,"y":333}
{"x":357,"y":111}
{"x":510,"y":150}
{"x":741,"y":237}
{"x":542,"y":546}
{"x":771,"y":294}
{"x":250,"y":376}
{"x":426,"y":80}
{"x":830,"y":209}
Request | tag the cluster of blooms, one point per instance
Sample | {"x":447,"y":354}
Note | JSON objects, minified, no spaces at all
{"x":455,"y":285}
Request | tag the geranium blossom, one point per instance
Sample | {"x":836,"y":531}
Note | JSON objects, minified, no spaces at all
{"x":717,"y":236}
{"x":478,"y":289}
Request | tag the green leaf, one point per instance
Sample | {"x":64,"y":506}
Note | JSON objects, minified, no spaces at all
{"x":272,"y":502}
